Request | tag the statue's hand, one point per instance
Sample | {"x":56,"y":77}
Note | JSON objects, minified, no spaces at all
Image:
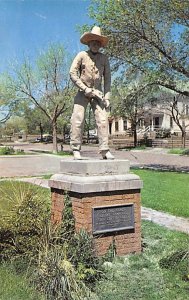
{"x":98,"y":94}
{"x":88,"y":92}
{"x":106,"y":103}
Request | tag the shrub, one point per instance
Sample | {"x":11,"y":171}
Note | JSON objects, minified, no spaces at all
{"x":24,"y":211}
{"x":185,"y":152}
{"x":80,"y":250}
{"x":63,"y":261}
{"x":57,"y":278}
{"x":6,"y":150}
{"x":163,"y":133}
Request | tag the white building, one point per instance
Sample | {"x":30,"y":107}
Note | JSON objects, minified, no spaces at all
{"x":154,"y":118}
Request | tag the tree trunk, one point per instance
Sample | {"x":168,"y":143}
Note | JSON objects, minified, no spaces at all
{"x":134,"y":129}
{"x":41,"y":131}
{"x":55,"y":145}
{"x":135,"y":135}
{"x":183,"y":138}
{"x":183,"y":134}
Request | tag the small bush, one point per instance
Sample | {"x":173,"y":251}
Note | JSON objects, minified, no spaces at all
{"x":7,"y":151}
{"x":64,"y":262}
{"x":163,"y":133}
{"x":24,"y":211}
{"x":57,"y":278}
{"x":80,"y":250}
{"x":185,"y":152}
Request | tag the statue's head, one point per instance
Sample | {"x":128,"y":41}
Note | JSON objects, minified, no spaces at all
{"x":94,"y":38}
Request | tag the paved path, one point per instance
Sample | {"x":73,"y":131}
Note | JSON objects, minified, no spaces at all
{"x":29,"y":165}
{"x":33,"y":165}
{"x":167,"y":220}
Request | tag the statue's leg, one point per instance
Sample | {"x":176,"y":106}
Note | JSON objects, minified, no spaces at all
{"x":77,"y":121}
{"x":101,"y":118}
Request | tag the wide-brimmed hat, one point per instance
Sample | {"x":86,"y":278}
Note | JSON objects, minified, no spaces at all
{"x":94,"y":35}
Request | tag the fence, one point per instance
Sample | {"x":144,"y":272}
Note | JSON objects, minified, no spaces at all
{"x":175,"y":142}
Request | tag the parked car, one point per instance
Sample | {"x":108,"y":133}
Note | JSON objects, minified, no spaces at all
{"x":92,"y":138}
{"x":47,"y":139}
{"x":67,"y":139}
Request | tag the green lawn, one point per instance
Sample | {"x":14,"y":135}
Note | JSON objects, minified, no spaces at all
{"x":12,"y":192}
{"x":159,"y":272}
{"x":180,"y":151}
{"x":165,"y":191}
{"x":15,"y":286}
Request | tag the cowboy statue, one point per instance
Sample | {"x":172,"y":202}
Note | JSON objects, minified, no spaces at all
{"x":88,"y":71}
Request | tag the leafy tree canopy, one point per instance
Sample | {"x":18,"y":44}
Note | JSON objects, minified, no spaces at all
{"x":148,"y":35}
{"x":45,"y":84}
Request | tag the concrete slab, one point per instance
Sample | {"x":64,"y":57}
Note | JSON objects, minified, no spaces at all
{"x":91,"y":176}
{"x":93,"y":184}
{"x":95,"y":167}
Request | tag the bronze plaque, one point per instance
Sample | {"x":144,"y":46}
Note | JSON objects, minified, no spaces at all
{"x":113,"y":218}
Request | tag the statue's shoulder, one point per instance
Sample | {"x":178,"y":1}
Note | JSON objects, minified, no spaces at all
{"x":82,"y":54}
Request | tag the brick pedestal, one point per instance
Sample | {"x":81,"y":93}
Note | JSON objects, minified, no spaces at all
{"x":95,"y":185}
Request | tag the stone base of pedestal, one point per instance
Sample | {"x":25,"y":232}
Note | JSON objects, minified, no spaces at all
{"x":105,"y":202}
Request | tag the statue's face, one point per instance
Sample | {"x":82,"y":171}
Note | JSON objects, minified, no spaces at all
{"x":94,"y":46}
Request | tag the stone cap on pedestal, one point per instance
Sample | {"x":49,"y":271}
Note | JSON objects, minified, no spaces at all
{"x":94,"y":167}
{"x":88,"y":176}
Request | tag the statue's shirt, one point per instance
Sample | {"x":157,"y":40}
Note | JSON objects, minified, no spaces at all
{"x":91,"y":70}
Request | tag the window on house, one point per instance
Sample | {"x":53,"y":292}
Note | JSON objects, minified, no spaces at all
{"x":187,"y":109}
{"x":141,"y":123}
{"x":116,"y":126}
{"x":171,"y":122}
{"x":156,"y":122}
{"x":124,"y":124}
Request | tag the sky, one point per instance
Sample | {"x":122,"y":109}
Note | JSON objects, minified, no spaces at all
{"x":28,"y":26}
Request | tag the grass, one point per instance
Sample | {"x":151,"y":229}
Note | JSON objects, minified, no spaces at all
{"x":12,"y":192}
{"x":165,"y":191}
{"x":15,"y":286}
{"x":180,"y":151}
{"x":175,"y":151}
{"x":159,"y":272}
{"x":47,"y":176}
{"x":143,"y":276}
{"x":64,"y":153}
{"x":11,"y":151}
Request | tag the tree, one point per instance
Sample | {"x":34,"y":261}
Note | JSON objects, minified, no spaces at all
{"x":36,"y":120}
{"x":177,"y":106}
{"x":8,"y":102}
{"x":148,"y":35}
{"x":130,"y":100}
{"x":45,"y":84}
{"x":14,"y":125}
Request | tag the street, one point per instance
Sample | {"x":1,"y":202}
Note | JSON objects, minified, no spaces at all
{"x":44,"y":163}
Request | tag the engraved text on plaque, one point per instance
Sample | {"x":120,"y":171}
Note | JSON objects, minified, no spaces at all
{"x":113,"y":218}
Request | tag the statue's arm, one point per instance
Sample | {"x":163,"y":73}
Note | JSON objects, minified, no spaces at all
{"x":75,"y":72}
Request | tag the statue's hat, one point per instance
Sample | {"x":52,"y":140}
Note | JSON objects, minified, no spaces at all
{"x":94,"y":35}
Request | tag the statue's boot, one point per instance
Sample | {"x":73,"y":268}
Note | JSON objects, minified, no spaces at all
{"x":77,"y":155}
{"x":106,"y":154}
